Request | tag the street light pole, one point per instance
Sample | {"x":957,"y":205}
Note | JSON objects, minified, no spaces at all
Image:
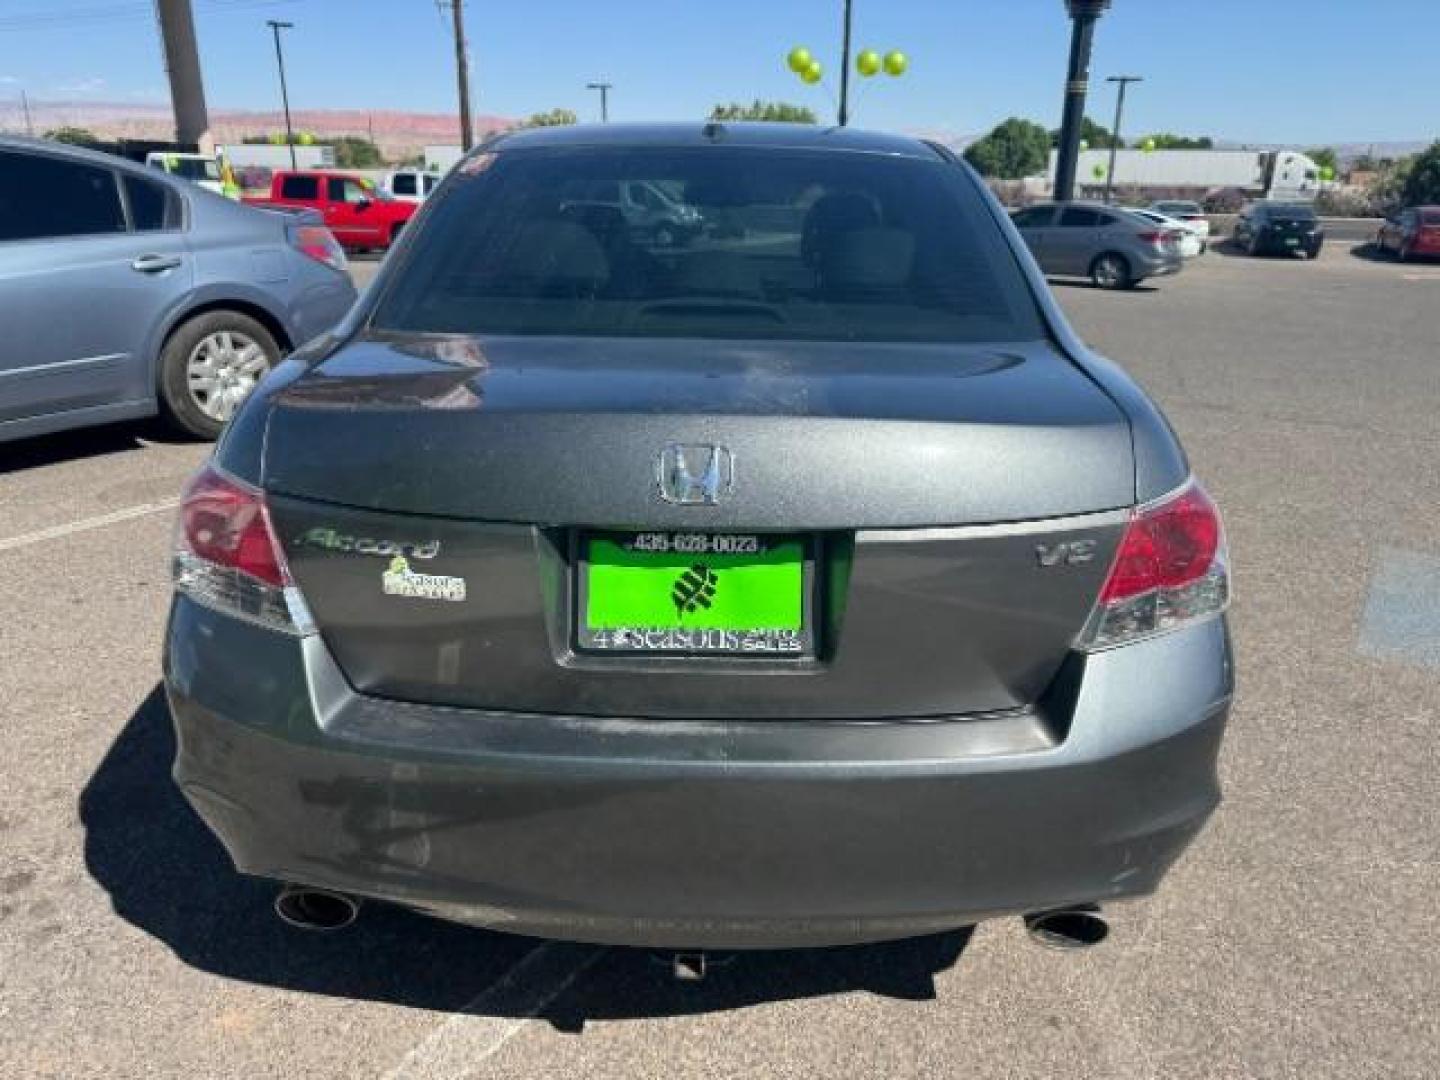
{"x":845,"y":69}
{"x":276,"y":26}
{"x":1084,"y":14}
{"x":1124,"y":81}
{"x":604,"y":88}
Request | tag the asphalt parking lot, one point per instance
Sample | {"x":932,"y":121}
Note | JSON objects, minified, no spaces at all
{"x":1295,"y":939}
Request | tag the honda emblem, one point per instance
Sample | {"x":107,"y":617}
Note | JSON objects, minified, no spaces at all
{"x":695,"y":475}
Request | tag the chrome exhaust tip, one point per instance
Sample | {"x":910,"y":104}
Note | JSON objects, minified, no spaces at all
{"x":315,"y":909}
{"x":1077,"y":927}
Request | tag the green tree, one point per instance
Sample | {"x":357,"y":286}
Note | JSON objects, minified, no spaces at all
{"x":553,"y":118}
{"x":1098,"y":136}
{"x":1421,"y":183}
{"x":1015,"y":148}
{"x":75,"y":136}
{"x":1167,"y":140}
{"x":356,"y":153}
{"x":780,"y":111}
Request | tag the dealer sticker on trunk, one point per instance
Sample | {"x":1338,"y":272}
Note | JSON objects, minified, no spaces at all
{"x":399,"y":580}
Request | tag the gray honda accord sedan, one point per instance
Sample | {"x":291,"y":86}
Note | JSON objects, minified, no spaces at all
{"x":809,"y":584}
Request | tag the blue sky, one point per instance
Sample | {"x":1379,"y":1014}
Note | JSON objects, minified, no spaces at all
{"x":1305,"y":71}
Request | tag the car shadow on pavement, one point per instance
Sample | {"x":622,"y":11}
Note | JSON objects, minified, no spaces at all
{"x":167,"y":875}
{"x":76,"y":445}
{"x":1090,"y":286}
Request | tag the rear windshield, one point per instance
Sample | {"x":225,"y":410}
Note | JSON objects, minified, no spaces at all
{"x":1292,"y":213}
{"x":1178,"y":207}
{"x":711,"y":242}
{"x":1430,"y":217}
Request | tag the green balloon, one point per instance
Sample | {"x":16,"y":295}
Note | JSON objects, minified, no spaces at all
{"x":1098,"y":172}
{"x":812,"y":73}
{"x":799,"y":59}
{"x":896,"y":62}
{"x":868,"y":63}
{"x":1327,"y":173}
{"x":1148,"y":146}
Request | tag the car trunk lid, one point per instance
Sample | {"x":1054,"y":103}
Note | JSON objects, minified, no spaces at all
{"x":957,"y":506}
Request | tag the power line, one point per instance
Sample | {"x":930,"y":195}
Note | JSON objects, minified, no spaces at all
{"x":134,"y":11}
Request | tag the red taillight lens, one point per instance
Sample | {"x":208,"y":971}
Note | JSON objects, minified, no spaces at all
{"x":1165,"y":546}
{"x":224,"y":522}
{"x":318,"y":243}
{"x":227,"y":557}
{"x":1152,"y":237}
{"x":1170,"y":569}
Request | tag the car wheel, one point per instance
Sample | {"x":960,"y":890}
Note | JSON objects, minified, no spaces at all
{"x":664,"y":236}
{"x":1252,"y":247}
{"x":1110,"y":271}
{"x":1404,"y":253}
{"x":209,"y":366}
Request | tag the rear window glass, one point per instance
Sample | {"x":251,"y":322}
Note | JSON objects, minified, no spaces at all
{"x":300,"y":187}
{"x":1292,"y":213}
{"x":1430,"y":217}
{"x":1178,"y":207}
{"x":711,"y":242}
{"x":1080,"y":217}
{"x":152,"y":205}
{"x":403,"y":184}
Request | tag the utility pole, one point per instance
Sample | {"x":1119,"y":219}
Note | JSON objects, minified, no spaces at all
{"x":845,"y":69}
{"x":182,"y":64}
{"x":1124,"y":81}
{"x":25,"y":104}
{"x":276,"y":26}
{"x":604,"y":88}
{"x":462,"y":73}
{"x":1084,"y":14}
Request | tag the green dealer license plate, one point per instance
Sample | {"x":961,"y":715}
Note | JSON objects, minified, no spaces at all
{"x":694,"y":593}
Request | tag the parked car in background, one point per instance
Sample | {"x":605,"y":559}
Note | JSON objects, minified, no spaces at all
{"x":1265,"y":228}
{"x":1410,"y":233}
{"x":1191,"y":214}
{"x":1190,"y":242}
{"x":359,"y":214}
{"x":646,"y":209}
{"x":410,"y":185}
{"x":1112,"y":247}
{"x":749,"y":595}
{"x":207,"y":170}
{"x":124,"y":291}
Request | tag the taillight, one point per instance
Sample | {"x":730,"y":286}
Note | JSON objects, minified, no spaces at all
{"x":1170,"y":569}
{"x":318,"y":243}
{"x":227,"y":557}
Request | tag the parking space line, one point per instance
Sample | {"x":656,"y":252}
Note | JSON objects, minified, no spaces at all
{"x":477,"y":1032}
{"x":55,"y":532}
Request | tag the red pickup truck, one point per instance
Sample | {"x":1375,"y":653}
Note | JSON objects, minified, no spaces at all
{"x":359,"y":214}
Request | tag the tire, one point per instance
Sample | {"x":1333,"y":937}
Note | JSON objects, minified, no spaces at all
{"x":1111,"y":271}
{"x":1252,"y":247}
{"x":664,"y":236}
{"x":1404,"y":254}
{"x":208,"y":367}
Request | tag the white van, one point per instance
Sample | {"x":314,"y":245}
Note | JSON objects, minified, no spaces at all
{"x":206,"y":170}
{"x":411,"y":185}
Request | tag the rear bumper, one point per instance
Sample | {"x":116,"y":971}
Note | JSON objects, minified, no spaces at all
{"x":1148,"y":265}
{"x":704,"y":834}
